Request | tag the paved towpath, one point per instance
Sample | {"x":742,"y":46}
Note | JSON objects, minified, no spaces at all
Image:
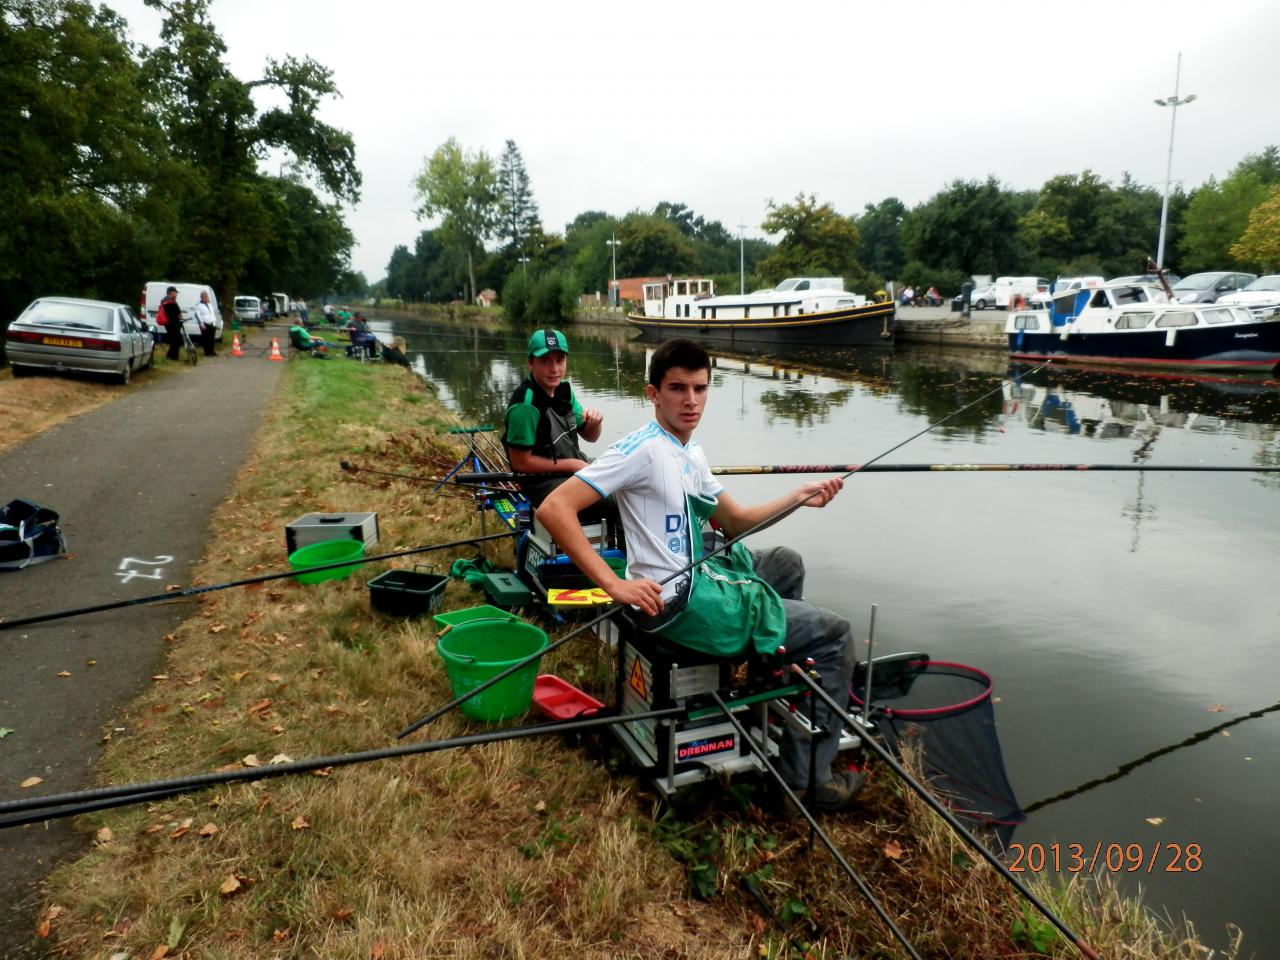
{"x":135,"y":482}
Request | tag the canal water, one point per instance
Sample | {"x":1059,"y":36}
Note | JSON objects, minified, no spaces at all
{"x":1131,"y":621}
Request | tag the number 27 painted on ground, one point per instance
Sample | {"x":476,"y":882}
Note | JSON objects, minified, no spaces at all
{"x":127,"y":574}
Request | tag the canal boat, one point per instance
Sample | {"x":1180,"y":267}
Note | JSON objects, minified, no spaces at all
{"x":1137,"y":325}
{"x":814,"y":311}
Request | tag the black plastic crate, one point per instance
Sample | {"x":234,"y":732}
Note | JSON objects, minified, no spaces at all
{"x":407,"y":593}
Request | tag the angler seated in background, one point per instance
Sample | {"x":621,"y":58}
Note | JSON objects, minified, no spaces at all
{"x":299,"y":339}
{"x":544,"y":421}
{"x":665,"y":493}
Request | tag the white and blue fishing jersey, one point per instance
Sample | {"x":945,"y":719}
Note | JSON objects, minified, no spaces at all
{"x":649,"y":473}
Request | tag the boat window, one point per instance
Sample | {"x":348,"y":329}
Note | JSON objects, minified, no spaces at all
{"x":1177,"y":318}
{"x":802,"y":285}
{"x":844,"y":303}
{"x":775,"y":309}
{"x":1026,"y":322}
{"x":1125,"y":295}
{"x":1137,"y":320}
{"x":746,"y":312}
{"x":702,"y":312}
{"x":686,"y":309}
{"x":1100,"y":300}
{"x":1219,"y":315}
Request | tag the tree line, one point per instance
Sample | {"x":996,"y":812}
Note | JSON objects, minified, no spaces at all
{"x":489,"y":234}
{"x":122,"y":163}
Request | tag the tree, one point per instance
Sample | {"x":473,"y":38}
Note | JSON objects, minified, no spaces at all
{"x":816,"y":241}
{"x":226,"y":214}
{"x":880,"y":237}
{"x":461,"y":189}
{"x":1260,"y":242}
{"x":517,"y":212}
{"x":1218,"y":213}
{"x":970,"y":226}
{"x":652,"y":246}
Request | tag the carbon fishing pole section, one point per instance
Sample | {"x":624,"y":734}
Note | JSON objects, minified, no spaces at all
{"x":194,"y":591}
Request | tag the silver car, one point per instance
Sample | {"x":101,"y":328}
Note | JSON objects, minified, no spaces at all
{"x":249,"y":310}
{"x":64,"y":333}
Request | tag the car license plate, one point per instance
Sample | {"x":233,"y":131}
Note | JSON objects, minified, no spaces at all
{"x":62,"y":342}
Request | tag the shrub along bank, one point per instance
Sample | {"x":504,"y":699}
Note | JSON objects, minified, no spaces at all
{"x":529,"y":849}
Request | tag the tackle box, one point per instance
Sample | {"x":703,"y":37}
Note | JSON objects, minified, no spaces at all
{"x":314,"y":527}
{"x":506,"y":590}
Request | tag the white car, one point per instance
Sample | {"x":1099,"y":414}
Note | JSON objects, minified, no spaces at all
{"x":1261,"y":298}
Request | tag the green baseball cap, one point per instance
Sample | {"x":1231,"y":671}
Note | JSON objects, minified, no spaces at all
{"x":545,"y":341}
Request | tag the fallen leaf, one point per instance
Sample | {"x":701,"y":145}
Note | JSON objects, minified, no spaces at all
{"x":65,"y":673}
{"x":261,"y":706}
{"x":208,"y":830}
{"x":104,"y":835}
{"x":893,"y":850}
{"x":160,"y":952}
{"x":540,"y":806}
{"x":154,"y":828}
{"x":180,"y":832}
{"x":237,"y":677}
{"x":217,"y":627}
{"x":274,"y":678}
{"x":251,"y":760}
{"x":5,"y":731}
{"x":160,"y":677}
{"x":91,"y":663}
{"x":279,"y":758}
{"x":322,"y":772}
{"x":170,"y":587}
{"x":1217,"y":708}
{"x":1155,"y":821}
{"x":378,"y":949}
{"x":279,"y":936}
{"x":229,"y":885}
{"x":342,"y":915}
{"x":31,"y":782}
{"x":300,"y":822}
{"x":1226,"y":733}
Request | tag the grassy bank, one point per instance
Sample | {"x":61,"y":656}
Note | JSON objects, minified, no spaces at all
{"x":531,"y":849}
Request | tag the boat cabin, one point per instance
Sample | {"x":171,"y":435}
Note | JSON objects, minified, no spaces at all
{"x":694,"y":298}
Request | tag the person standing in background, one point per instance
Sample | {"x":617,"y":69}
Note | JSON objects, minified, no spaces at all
{"x":203,"y":312}
{"x":169,"y":316}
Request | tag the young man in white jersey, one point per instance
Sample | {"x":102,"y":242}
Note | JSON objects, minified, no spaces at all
{"x":665,"y":492}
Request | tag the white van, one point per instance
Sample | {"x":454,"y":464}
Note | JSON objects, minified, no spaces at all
{"x":188,"y":297}
{"x":1007,"y":288}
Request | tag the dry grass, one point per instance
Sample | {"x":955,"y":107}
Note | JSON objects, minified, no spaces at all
{"x":529,"y":849}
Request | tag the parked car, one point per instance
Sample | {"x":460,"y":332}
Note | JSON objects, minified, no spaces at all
{"x":983,"y":297}
{"x":1261,"y":298}
{"x":188,"y":297}
{"x":65,"y":333}
{"x":1208,"y":287}
{"x":249,"y":310}
{"x":1144,"y":278}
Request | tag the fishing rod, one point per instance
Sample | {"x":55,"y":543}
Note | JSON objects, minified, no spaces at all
{"x":1127,"y":768}
{"x":102,"y":797}
{"x":193,"y":591}
{"x":763,"y":756}
{"x":349,"y":467}
{"x":722,"y":548}
{"x":921,"y":791}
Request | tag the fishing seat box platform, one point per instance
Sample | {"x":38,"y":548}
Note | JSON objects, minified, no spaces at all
{"x":653,"y":673}
{"x":314,"y":527}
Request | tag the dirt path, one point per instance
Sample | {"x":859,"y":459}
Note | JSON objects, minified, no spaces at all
{"x":135,"y":482}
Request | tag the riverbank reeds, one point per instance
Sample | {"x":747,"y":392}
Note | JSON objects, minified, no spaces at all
{"x":536,"y":848}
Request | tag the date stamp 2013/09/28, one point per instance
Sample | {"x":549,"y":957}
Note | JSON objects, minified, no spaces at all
{"x":1112,"y":857}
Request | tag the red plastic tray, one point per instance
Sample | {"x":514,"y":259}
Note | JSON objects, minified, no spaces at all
{"x":561,"y":700}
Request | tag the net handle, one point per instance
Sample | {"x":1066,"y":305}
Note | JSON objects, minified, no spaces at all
{"x":937,"y":711}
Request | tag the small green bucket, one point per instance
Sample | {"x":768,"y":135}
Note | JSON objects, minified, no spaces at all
{"x":479,"y":649}
{"x":324,"y":552}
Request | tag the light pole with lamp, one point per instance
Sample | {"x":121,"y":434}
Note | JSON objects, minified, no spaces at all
{"x":1175,"y":102}
{"x":614,"y":242}
{"x":742,"y":262}
{"x":523,"y":261}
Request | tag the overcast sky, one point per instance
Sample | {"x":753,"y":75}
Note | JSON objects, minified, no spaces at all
{"x":725,"y":106}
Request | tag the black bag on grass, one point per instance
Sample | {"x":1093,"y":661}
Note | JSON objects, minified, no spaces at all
{"x":29,"y":533}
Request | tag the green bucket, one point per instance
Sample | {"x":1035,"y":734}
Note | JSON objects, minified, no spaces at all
{"x":479,"y":649}
{"x":324,"y":552}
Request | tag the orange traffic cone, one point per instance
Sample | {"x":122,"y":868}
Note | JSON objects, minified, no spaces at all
{"x":235,"y":346}
{"x":275,"y":349}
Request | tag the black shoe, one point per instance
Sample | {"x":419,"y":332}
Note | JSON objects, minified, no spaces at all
{"x":835,"y":795}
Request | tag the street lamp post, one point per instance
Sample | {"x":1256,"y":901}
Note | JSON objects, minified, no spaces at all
{"x":613,"y":242}
{"x":742,"y":262}
{"x":523,"y":261}
{"x":1175,"y":102}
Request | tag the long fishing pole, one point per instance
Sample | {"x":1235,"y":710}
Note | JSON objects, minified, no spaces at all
{"x":798,"y":468}
{"x":920,"y":790}
{"x":613,"y":611}
{"x":1127,"y":768}
{"x":193,"y":591}
{"x":156,"y":789}
{"x":763,"y":756}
